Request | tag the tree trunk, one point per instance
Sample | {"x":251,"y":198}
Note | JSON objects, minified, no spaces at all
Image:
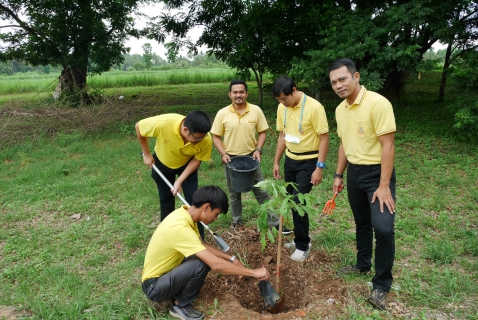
{"x":258,"y":76}
{"x":393,"y":84}
{"x":73,"y":81}
{"x":446,"y":65}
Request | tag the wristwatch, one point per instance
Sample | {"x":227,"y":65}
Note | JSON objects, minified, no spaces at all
{"x":336,"y":175}
{"x":232,"y":259}
{"x":321,"y":165}
{"x":260,"y":150}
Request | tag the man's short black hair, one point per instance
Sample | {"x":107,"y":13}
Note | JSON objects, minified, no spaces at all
{"x":213,"y":195}
{"x":339,"y":63}
{"x":237,"y":81}
{"x":283,"y":85}
{"x":198,"y":121}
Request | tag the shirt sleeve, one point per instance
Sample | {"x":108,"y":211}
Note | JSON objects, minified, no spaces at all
{"x":383,"y":118}
{"x":217,"y":125}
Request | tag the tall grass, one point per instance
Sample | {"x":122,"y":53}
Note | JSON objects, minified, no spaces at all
{"x":36,"y":83}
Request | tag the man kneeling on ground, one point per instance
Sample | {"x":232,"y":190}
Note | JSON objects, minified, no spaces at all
{"x":177,"y":260}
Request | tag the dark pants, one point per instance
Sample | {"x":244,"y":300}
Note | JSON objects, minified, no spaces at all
{"x":300,"y":172}
{"x":183,"y":283}
{"x":166,"y":198}
{"x":362,"y":182}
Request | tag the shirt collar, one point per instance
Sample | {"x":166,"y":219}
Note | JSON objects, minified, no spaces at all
{"x":358,"y":99}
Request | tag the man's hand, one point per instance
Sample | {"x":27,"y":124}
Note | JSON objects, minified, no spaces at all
{"x":148,"y":160}
{"x":261,"y":274}
{"x":225,"y":158}
{"x":276,"y":171}
{"x":338,"y":185}
{"x":257,"y":155}
{"x":316,"y":177}
{"x":177,"y":188}
{"x":384,"y":195}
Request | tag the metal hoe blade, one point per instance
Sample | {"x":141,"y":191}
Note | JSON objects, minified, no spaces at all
{"x":219,"y":241}
{"x":269,"y":294}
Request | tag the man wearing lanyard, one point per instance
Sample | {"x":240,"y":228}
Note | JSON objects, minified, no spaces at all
{"x":304,"y":138}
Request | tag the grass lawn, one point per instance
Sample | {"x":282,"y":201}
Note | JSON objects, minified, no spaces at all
{"x":78,"y":206}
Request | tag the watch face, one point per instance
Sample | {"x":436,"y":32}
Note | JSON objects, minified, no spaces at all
{"x":320,"y":165}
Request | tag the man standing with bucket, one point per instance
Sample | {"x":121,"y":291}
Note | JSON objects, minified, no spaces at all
{"x":239,"y":123}
{"x":304,"y":139}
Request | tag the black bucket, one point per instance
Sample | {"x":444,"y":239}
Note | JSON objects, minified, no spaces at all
{"x":242,"y":171}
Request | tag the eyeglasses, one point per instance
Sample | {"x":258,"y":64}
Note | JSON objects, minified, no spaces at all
{"x":198,"y":138}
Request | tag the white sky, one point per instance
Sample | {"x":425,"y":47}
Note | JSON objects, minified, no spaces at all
{"x":159,"y":49}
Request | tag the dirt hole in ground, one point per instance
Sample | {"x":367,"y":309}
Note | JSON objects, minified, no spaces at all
{"x":302,"y":283}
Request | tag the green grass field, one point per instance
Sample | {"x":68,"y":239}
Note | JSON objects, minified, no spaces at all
{"x":78,"y":206}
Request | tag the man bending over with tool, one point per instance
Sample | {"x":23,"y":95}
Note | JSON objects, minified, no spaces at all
{"x":182,"y":143}
{"x":177,"y":260}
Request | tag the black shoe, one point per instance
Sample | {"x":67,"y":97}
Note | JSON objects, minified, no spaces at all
{"x":237,"y":225}
{"x":185,"y":313}
{"x":351,"y":270}
{"x":378,"y":299}
{"x":285,"y":231}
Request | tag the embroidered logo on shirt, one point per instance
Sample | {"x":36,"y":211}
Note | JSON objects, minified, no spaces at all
{"x":361,"y":131}
{"x":166,"y":141}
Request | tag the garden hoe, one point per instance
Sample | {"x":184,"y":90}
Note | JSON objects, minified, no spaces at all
{"x":220,"y":242}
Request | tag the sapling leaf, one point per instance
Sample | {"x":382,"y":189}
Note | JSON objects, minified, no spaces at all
{"x":270,"y":236}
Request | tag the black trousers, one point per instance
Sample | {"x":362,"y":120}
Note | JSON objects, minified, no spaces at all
{"x":362,"y":182}
{"x":166,"y":198}
{"x":300,"y":172}
{"x":183,"y":283}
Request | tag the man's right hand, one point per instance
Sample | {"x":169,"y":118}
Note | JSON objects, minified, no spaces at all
{"x":225,"y":158}
{"x":261,"y":274}
{"x":148,"y":160}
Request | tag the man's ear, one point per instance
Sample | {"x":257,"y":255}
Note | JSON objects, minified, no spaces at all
{"x":357,"y":76}
{"x":205,"y":207}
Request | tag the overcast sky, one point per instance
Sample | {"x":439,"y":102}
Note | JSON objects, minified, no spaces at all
{"x":135,"y":44}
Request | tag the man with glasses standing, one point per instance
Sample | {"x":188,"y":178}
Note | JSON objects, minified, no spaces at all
{"x":182,"y":143}
{"x":304,"y":139}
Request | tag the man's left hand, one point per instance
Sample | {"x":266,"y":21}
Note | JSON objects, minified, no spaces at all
{"x":384,"y":195}
{"x":316,"y":177}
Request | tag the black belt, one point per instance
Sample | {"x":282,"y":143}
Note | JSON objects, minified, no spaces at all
{"x":364,"y":165}
{"x":308,"y":153}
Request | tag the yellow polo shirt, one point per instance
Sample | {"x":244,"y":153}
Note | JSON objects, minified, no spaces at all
{"x":314,"y":123}
{"x":176,"y":238}
{"x":170,"y":148}
{"x":239,"y":131}
{"x":359,"y":125}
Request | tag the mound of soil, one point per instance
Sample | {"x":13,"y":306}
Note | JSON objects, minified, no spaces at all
{"x":303,"y":285}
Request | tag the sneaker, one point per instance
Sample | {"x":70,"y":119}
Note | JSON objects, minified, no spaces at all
{"x":351,"y":270}
{"x":378,"y":299}
{"x":185,"y":313}
{"x":285,"y":231}
{"x":291,"y":245}
{"x":300,"y":255}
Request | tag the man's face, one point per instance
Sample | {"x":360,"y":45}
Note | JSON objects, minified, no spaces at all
{"x":288,"y":100}
{"x":238,"y":94}
{"x":194,"y":138}
{"x":209,"y":215}
{"x":344,"y":83}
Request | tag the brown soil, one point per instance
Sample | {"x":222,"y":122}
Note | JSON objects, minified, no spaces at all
{"x":303,"y":285}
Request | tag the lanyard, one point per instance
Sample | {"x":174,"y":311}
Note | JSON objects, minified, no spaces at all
{"x":301,"y":114}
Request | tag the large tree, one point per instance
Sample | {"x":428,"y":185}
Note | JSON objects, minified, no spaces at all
{"x":81,"y":36}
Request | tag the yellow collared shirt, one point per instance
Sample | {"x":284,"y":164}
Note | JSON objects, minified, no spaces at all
{"x":359,"y":125}
{"x":239,"y":131}
{"x":175,"y":238}
{"x":170,"y":148}
{"x":314,"y":123}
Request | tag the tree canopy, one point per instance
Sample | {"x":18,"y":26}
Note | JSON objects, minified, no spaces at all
{"x":82,"y":37}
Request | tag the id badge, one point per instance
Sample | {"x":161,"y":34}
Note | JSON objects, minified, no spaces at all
{"x":292,"y":139}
